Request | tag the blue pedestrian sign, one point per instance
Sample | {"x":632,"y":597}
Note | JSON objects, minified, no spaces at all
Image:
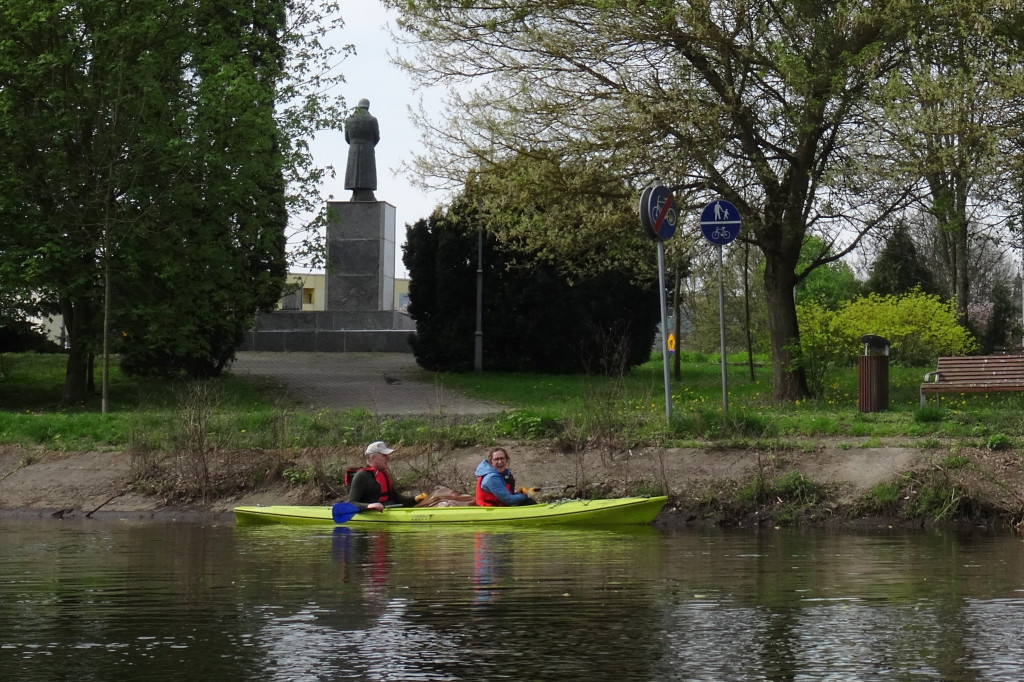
{"x":720,"y":222}
{"x":658,"y":213}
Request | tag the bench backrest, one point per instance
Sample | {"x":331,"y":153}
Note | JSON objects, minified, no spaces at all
{"x":980,"y":368}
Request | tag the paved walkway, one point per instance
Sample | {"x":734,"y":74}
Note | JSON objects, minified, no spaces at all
{"x":382,"y":383}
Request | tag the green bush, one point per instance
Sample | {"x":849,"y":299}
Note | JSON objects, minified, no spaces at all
{"x":884,"y":498}
{"x":528,"y":424}
{"x":953,"y":462}
{"x":919,"y":327}
{"x":536,"y":318}
{"x":825,"y":344}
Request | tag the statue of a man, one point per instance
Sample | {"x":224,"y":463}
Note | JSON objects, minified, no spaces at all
{"x":362,"y":135}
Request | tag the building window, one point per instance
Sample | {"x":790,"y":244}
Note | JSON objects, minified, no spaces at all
{"x":307,"y":296}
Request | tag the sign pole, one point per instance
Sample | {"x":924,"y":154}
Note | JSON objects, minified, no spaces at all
{"x":721,"y":330}
{"x":664,"y":331}
{"x":659,"y":217}
{"x":720,"y":224}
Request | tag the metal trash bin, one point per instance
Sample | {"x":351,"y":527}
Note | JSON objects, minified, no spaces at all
{"x":873,"y":374}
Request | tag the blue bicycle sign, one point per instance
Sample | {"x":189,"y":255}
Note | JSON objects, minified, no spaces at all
{"x":658,"y":213}
{"x":720,"y":222}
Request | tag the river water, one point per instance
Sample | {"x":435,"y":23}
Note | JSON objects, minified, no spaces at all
{"x":107,"y":600}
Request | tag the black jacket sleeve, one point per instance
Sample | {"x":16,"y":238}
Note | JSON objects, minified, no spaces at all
{"x":404,"y":500}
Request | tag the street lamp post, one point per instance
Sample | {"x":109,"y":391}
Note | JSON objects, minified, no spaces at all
{"x":478,"y":346}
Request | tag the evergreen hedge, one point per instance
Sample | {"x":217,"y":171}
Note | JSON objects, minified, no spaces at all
{"x":534,"y":318}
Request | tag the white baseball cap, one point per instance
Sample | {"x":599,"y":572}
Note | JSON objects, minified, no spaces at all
{"x":378,"y":446}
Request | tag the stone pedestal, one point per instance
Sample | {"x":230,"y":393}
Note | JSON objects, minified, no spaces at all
{"x":360,"y":256}
{"x":359,"y":300}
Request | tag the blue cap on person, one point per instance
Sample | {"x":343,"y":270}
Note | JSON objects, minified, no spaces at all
{"x":378,"y":446}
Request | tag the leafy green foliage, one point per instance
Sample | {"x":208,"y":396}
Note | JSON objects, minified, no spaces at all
{"x":899,"y":268}
{"x":765,"y":105}
{"x":999,"y":441}
{"x":143,"y":185}
{"x":830,"y":283}
{"x":534,"y":318}
{"x":529,"y":424}
{"x":825,"y":343}
{"x":884,"y":498}
{"x":919,"y":327}
{"x":798,"y":488}
{"x":954,"y":462}
{"x":583,"y":222}
{"x":930,"y":414}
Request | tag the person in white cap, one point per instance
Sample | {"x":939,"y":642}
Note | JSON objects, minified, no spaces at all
{"x":371,"y":488}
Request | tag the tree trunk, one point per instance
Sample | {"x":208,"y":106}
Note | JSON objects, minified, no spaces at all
{"x":76,"y":371}
{"x":789,"y":382}
{"x":949,"y":207}
{"x":962,"y":246}
{"x":746,"y":308}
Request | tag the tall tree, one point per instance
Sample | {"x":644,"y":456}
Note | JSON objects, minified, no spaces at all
{"x":898,"y":267}
{"x":147,"y":150}
{"x":953,"y":108}
{"x":763,"y":103}
{"x":227,"y":202}
{"x":65,"y":132}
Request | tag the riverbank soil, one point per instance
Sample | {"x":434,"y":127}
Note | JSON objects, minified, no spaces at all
{"x":49,"y":482}
{"x":700,"y":482}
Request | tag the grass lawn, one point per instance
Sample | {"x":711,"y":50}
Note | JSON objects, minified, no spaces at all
{"x":580,"y":411}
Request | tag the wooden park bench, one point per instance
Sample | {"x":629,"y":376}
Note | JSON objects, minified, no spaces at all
{"x":975,"y":374}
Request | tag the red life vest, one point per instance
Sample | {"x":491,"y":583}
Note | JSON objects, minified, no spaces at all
{"x":383,"y":480}
{"x":485,"y":498}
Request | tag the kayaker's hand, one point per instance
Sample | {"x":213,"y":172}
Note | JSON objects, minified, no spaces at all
{"x":527,"y":491}
{"x":375,"y":506}
{"x":421,"y":497}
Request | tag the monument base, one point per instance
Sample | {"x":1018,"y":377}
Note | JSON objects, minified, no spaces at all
{"x":359,"y":284}
{"x":360,"y":256}
{"x":382,"y":331}
{"x":328,"y":341}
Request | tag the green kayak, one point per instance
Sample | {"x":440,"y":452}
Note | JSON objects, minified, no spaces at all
{"x":624,"y":510}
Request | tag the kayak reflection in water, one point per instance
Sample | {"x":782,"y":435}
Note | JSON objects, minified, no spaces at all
{"x":495,"y":484}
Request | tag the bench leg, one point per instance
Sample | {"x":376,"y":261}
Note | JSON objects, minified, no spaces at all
{"x":922,"y":398}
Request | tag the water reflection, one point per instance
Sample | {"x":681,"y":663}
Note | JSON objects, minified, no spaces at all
{"x":490,"y":559}
{"x":126,"y":601}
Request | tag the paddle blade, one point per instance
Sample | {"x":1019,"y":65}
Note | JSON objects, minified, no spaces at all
{"x":343,"y":512}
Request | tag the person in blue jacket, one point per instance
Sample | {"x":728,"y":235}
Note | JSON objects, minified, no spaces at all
{"x":495,"y":484}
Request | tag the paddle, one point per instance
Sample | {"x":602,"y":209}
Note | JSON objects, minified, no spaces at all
{"x":343,"y":511}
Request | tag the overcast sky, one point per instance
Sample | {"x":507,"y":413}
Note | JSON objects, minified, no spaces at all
{"x":370,"y":74}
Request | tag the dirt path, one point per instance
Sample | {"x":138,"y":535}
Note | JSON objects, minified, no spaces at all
{"x":382,"y":383}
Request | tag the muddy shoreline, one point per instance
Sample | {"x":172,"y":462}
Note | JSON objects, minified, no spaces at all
{"x":706,"y":486}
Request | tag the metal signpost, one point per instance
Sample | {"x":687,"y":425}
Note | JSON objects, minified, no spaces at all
{"x":659,"y":218}
{"x":720,"y":223}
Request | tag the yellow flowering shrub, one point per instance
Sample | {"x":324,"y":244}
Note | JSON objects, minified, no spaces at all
{"x":920,"y":327}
